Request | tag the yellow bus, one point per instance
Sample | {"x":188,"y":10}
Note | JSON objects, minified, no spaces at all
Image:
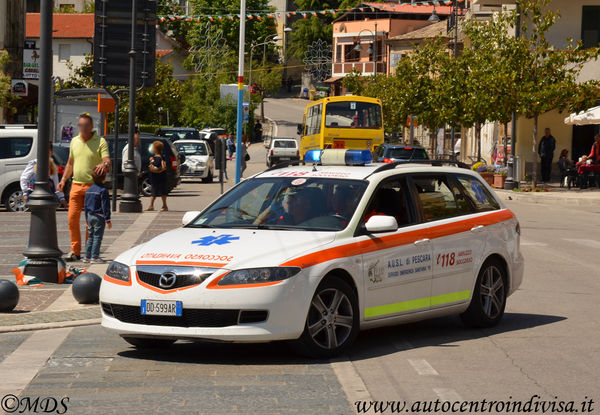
{"x":348,"y":122}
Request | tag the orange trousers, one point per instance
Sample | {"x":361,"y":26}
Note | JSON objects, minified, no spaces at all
{"x":76,"y":201}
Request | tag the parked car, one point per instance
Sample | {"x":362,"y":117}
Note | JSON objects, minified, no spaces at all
{"x":199,"y":159}
{"x":388,"y":153}
{"x":282,"y":149}
{"x":170,"y":153}
{"x":18,"y":146}
{"x":211,"y":135}
{"x":178,"y":133}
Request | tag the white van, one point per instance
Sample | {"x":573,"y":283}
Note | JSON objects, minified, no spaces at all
{"x":18,"y":146}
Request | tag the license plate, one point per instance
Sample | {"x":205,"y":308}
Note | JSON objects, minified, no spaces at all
{"x":284,"y":158}
{"x":161,"y":308}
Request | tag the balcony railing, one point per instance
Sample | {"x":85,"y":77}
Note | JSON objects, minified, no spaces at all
{"x":366,"y":68}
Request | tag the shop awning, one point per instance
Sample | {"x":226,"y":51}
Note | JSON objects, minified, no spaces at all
{"x":332,"y":79}
{"x":591,"y":116}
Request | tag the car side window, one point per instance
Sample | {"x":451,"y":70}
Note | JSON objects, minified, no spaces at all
{"x":15,"y":147}
{"x":439,"y":198}
{"x":391,"y":199}
{"x":480,"y":196}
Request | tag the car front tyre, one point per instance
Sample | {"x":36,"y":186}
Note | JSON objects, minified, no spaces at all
{"x":146,"y":187}
{"x":143,"y":343}
{"x":332,"y":323}
{"x":489,"y":297}
{"x":208,"y":178}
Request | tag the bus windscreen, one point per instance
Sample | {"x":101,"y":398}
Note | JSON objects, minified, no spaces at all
{"x":352,"y":114}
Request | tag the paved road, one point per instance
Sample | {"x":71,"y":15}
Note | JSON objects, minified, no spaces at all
{"x":286,"y":113}
{"x":546,"y":345}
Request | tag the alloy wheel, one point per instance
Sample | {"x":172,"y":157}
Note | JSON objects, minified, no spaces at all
{"x":17,"y":202}
{"x":492,"y":292}
{"x":330,"y":318}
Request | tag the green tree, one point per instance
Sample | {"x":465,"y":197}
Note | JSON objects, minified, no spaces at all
{"x":6,"y":98}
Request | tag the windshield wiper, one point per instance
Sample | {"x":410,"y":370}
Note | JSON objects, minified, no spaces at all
{"x":269,"y":227}
{"x":199,"y":225}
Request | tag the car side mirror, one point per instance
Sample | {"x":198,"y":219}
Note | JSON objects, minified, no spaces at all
{"x":381,"y":223}
{"x":299,"y":129}
{"x":189,"y":216}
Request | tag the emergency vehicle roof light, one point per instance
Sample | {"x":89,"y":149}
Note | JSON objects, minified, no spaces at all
{"x":338,"y":157}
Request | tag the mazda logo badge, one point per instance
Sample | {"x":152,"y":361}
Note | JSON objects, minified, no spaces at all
{"x":167,"y":279}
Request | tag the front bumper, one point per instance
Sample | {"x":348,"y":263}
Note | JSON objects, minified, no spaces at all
{"x":286,"y":305}
{"x":201,"y":172}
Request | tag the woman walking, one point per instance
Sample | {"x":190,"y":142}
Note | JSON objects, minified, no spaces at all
{"x":158,"y":176}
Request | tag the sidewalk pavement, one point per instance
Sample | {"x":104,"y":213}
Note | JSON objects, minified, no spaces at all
{"x":557,"y":195}
{"x":53,"y":305}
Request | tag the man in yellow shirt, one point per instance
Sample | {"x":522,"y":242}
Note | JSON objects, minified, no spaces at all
{"x":88,"y":153}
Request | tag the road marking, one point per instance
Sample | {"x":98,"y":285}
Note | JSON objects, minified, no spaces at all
{"x":423,"y":367}
{"x":352,"y":384}
{"x":446,"y":394}
{"x":21,"y":366}
{"x":589,"y":243}
{"x":525,"y":242}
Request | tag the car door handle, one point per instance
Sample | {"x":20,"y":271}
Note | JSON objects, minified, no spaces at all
{"x":477,"y":228}
{"x":423,"y":241}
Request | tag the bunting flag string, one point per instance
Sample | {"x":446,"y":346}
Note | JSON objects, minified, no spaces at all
{"x":303,"y":13}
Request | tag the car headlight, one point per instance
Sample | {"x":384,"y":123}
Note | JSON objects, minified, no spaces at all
{"x":258,"y":275}
{"x":201,"y":164}
{"x":118,"y":271}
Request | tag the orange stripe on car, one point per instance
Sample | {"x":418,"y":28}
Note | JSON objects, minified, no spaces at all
{"x":404,"y":238}
{"x":190,"y":263}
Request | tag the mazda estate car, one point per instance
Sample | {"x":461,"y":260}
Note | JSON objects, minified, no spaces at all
{"x":314,"y":253}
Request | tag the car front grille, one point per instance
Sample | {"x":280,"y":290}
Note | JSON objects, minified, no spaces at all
{"x":186,"y":276}
{"x":191,"y":317}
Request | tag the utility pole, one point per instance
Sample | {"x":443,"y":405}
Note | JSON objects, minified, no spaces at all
{"x":455,"y":51}
{"x":240,"y":110}
{"x":42,"y":249}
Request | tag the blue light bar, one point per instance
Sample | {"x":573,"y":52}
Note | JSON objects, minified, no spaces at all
{"x":358,"y":157}
{"x":312,"y":156}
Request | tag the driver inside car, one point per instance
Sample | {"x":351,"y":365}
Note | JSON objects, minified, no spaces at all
{"x":299,"y":206}
{"x":342,"y":202}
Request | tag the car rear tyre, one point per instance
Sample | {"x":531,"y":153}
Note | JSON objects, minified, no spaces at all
{"x":148,"y":343}
{"x":332,"y":322}
{"x":146,"y":187}
{"x":209,"y":178}
{"x":489,"y":297}
{"x":14,"y":200}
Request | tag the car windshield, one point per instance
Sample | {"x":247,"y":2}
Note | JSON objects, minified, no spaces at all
{"x":352,"y":114}
{"x":284,"y":144}
{"x":286,"y":203}
{"x":191,"y":149}
{"x":405,"y":153}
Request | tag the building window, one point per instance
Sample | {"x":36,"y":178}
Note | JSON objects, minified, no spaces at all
{"x":66,"y":8}
{"x":590,"y":26}
{"x":64,"y":52}
{"x":351,"y":55}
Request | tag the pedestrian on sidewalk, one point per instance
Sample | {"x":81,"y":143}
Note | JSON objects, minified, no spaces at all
{"x":258,"y":131}
{"x":568,"y":174}
{"x":546,"y":152}
{"x":28,"y":177}
{"x":97,"y":217}
{"x":595,"y":153}
{"x":245,"y":155}
{"x":158,"y":176}
{"x":88,"y":154}
{"x":230,"y":145}
{"x":137,"y":158}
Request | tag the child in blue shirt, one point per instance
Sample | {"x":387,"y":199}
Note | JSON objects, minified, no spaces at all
{"x":97,"y":215}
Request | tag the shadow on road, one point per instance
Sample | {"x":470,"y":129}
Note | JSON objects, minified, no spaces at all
{"x":440,"y":332}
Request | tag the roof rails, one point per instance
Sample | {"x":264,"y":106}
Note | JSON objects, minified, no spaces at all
{"x":440,"y":162}
{"x":20,"y":126}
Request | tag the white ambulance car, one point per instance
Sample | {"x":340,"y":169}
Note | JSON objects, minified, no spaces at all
{"x":314,"y":253}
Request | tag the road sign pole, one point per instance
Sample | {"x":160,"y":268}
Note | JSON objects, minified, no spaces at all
{"x":238,"y":147}
{"x":42,"y":249}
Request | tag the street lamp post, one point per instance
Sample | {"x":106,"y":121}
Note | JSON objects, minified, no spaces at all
{"x":358,"y":48}
{"x":42,"y":249}
{"x":130,"y":200}
{"x":254,"y":45}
